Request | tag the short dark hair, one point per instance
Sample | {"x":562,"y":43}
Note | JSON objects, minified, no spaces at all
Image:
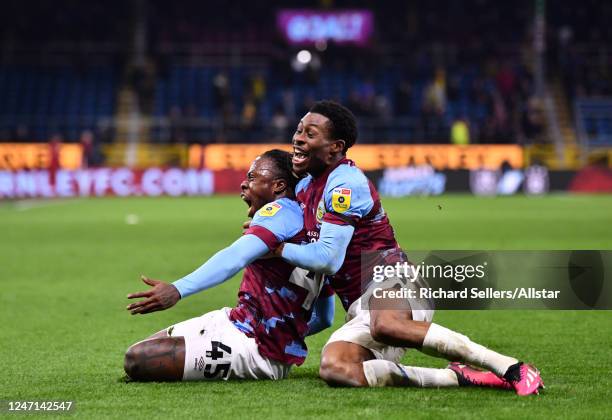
{"x":284,"y":166}
{"x":343,"y":125}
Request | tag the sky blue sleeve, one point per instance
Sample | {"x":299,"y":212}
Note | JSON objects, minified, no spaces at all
{"x":283,"y":218}
{"x":347,"y":192}
{"x":322,"y":314}
{"x":222,"y":266}
{"x":324,"y":256}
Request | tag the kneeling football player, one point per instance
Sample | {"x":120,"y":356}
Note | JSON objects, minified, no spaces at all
{"x":278,"y":304}
{"x":343,"y":211}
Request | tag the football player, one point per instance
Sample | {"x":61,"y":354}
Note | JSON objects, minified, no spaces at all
{"x":278,"y":304}
{"x":344,"y":219}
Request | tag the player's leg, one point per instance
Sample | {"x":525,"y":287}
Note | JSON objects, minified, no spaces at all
{"x":349,"y":364}
{"x":209,"y":347}
{"x":386,"y":373}
{"x":352,"y":357}
{"x":342,"y":364}
{"x":380,"y":372}
{"x":398,"y":327}
{"x":156,"y":359}
{"x":393,"y":324}
{"x":161,"y":356}
{"x":414,"y":333}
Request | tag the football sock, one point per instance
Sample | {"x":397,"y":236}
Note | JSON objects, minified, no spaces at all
{"x":513,"y":373}
{"x":446,"y":343}
{"x":380,"y":373}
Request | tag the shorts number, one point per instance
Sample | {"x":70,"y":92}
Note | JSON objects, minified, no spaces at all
{"x":215,"y":353}
{"x":221,"y":371}
{"x":215,"y":370}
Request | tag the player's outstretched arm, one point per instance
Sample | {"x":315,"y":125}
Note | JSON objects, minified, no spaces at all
{"x":322,"y":315}
{"x":219,"y":268}
{"x":324,"y":256}
{"x":223,"y":265}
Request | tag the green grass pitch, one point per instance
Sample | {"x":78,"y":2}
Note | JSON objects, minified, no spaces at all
{"x":66,"y":267}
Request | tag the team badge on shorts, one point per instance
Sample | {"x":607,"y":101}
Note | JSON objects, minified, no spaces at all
{"x":269,"y":209}
{"x":341,"y":199}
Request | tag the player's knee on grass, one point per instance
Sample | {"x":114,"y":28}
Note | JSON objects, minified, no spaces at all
{"x":159,"y":359}
{"x":342,"y":373}
{"x":342,"y":364}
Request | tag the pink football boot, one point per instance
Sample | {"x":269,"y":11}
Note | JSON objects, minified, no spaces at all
{"x":469,"y":376}
{"x":525,"y":379}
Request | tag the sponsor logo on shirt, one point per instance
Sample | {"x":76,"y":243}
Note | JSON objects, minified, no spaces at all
{"x":341,"y":199}
{"x":269,"y":209}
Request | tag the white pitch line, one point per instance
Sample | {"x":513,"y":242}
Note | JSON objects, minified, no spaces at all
{"x":25,"y":205}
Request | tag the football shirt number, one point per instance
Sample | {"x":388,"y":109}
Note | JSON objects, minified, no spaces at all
{"x":308,"y":280}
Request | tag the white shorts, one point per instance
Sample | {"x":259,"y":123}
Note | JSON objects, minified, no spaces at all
{"x":357,"y":329}
{"x":215,"y":349}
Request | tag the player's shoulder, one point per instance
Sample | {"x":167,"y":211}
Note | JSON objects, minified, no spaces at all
{"x":347,"y":190}
{"x":282,"y":217}
{"x":283,"y":207}
{"x":303,"y":184}
{"x":348,"y":176}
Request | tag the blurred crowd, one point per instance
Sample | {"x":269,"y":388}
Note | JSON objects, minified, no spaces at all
{"x":459,"y":71}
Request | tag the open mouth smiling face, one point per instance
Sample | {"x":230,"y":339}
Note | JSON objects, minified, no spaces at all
{"x":311,"y":144}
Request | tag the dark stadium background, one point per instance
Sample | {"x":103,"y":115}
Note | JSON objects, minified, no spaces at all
{"x":136,"y":83}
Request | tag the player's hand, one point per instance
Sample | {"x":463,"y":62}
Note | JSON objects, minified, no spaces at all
{"x":162,"y":296}
{"x":275,"y":253}
{"x":278,"y":251}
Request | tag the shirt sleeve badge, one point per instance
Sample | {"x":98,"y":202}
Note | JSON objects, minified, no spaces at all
{"x":269,"y":210}
{"x":341,"y":199}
